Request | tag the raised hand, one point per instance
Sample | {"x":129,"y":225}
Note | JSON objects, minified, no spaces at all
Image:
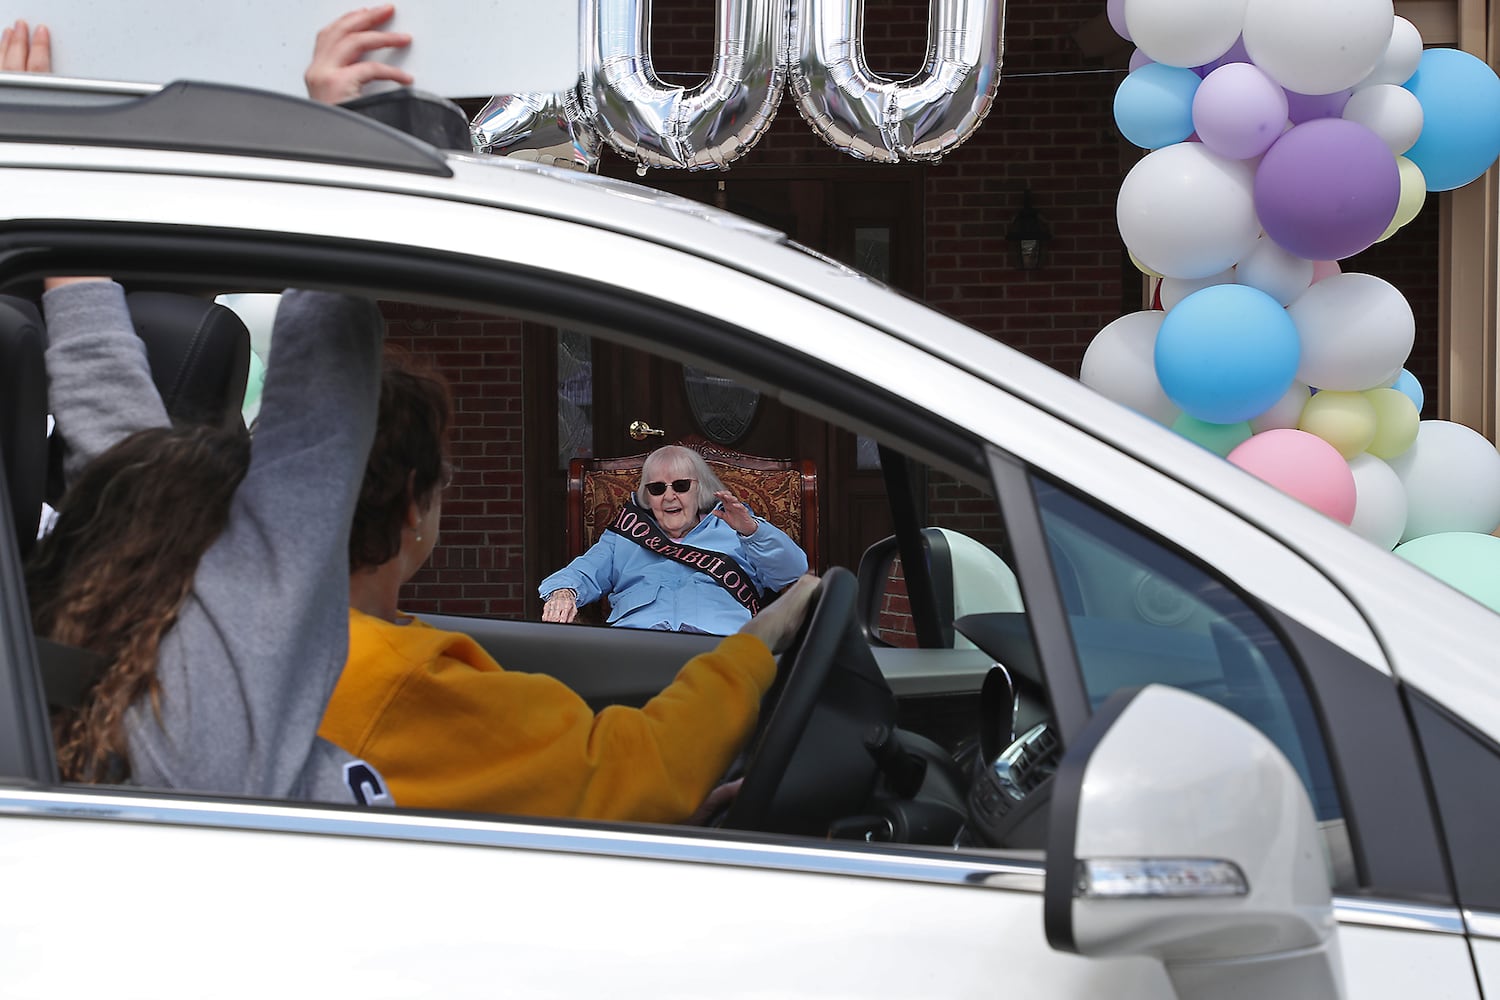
{"x":734,"y":513}
{"x":23,"y":50}
{"x":339,"y":68}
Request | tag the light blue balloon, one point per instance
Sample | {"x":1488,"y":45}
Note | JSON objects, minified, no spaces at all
{"x":1407,"y":383}
{"x":1465,"y":560}
{"x":1227,"y":353}
{"x":1460,"y":98}
{"x":1154,"y":105}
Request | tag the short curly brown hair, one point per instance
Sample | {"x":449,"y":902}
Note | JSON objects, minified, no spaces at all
{"x":408,"y":460}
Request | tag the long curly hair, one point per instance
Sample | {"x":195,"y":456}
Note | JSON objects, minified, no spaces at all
{"x":408,"y":459}
{"x":114,"y":572}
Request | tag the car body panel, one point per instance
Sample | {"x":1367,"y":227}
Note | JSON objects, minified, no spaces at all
{"x":391,"y":904}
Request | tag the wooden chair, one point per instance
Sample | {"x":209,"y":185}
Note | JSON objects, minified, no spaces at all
{"x":782,"y":490}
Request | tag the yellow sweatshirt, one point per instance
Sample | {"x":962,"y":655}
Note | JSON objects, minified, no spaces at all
{"x":449,"y":728}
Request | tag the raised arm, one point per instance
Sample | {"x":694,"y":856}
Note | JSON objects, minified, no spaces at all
{"x":92,"y":344}
{"x":246,"y":673}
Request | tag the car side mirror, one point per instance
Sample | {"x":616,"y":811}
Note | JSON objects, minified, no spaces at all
{"x":1179,"y":832}
{"x":967,"y":578}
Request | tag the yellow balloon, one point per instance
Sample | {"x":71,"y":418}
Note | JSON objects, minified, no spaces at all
{"x":1345,"y":420}
{"x":1413,"y":196}
{"x":1142,"y":267}
{"x":1396,"y":422}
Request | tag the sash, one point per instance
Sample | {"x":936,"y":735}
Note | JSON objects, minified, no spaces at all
{"x":637,"y":525}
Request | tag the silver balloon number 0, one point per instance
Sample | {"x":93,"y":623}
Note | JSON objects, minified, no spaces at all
{"x":762,"y":47}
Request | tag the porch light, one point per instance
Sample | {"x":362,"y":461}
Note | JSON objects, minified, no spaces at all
{"x":1029,"y":235}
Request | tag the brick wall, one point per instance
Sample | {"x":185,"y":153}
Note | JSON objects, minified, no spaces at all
{"x":476,"y":567}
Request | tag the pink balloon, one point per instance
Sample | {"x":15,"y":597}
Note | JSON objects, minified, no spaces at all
{"x":1302,"y":466}
{"x":1325,"y":269}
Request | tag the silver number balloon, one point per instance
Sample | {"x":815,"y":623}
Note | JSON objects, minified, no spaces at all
{"x":661,"y":125}
{"x":762,"y":44}
{"x":873,"y":118}
{"x":547,"y":128}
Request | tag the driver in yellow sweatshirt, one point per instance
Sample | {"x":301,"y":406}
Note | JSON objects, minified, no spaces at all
{"x":449,"y":728}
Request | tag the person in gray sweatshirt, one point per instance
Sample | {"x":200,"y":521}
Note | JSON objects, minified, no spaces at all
{"x":221,"y":660}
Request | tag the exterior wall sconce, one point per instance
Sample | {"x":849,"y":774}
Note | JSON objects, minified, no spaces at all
{"x":1029,"y":235}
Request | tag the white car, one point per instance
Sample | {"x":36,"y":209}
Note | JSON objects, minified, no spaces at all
{"x":1168,"y":733}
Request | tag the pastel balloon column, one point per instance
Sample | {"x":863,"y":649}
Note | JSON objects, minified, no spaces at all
{"x":1282,"y":137}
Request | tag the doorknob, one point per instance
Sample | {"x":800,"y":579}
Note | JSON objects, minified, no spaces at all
{"x":640,"y":430}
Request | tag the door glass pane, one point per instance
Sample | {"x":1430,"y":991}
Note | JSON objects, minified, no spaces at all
{"x":1140,"y":613}
{"x":575,"y":397}
{"x":722,"y":407}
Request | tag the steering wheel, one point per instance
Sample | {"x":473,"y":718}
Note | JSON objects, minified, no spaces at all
{"x":827,"y":714}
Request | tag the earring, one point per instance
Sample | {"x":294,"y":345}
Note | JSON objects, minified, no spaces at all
{"x":419,"y":536}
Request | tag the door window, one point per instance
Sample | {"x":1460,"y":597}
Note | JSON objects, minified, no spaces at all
{"x":1140,"y":613}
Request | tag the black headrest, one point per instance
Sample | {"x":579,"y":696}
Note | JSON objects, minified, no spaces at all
{"x":433,"y":119}
{"x":199,"y":353}
{"x":23,"y":413}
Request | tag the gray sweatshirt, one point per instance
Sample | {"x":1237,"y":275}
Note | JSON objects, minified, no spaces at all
{"x":259,"y":643}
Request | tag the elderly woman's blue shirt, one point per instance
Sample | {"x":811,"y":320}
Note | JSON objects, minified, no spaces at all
{"x":646,"y":590}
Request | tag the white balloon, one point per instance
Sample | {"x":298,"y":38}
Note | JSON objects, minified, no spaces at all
{"x":1184,"y":32}
{"x":1271,"y":269}
{"x":1285,"y":412}
{"x":1318,"y":46}
{"x":1186,"y":212}
{"x":1174,"y":290}
{"x":1355,"y":328}
{"x":1402,"y":54}
{"x":1391,"y":112}
{"x":1121,"y":363}
{"x":1451,"y":476}
{"x":1379,"y":501}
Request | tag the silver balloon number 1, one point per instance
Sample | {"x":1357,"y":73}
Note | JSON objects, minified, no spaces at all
{"x":762,"y":46}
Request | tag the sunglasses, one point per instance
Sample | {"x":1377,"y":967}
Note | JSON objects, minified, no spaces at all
{"x":678,"y":486}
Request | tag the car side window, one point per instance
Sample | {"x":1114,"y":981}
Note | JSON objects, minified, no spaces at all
{"x":1141,"y":613}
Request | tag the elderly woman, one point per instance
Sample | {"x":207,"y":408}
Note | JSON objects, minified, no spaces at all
{"x":684,"y":554}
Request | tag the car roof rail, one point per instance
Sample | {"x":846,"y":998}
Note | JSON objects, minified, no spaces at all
{"x":203,"y":117}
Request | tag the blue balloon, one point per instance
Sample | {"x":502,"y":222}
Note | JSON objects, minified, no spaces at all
{"x":1460,"y":98}
{"x":1154,"y":105}
{"x":1407,"y":383}
{"x":1227,"y":353}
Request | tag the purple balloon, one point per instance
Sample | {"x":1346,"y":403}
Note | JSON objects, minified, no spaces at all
{"x":1238,"y":111}
{"x":1308,"y":107}
{"x":1327,"y":189}
{"x":1236,"y":54}
{"x":1115,"y":10}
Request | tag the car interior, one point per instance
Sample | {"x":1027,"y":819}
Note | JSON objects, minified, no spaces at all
{"x":914,"y":706}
